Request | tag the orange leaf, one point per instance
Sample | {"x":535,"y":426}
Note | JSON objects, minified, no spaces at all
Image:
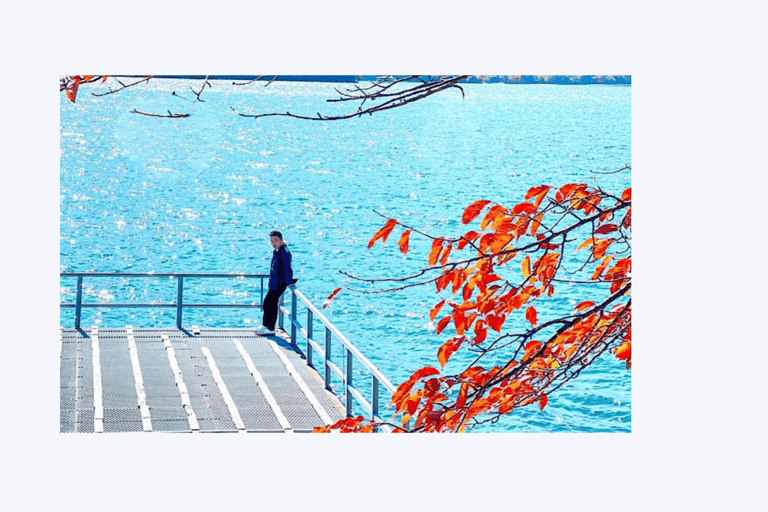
{"x":473,"y":210}
{"x":403,"y":242}
{"x":526,"y":267}
{"x":104,"y":79}
{"x":627,"y":195}
{"x":584,"y":305}
{"x":442,"y":323}
{"x":435,"y":310}
{"x":330,"y":297}
{"x":383,"y":233}
{"x":536,"y":223}
{"x":585,"y":243}
{"x":535,"y":191}
{"x":448,"y":348}
{"x":491,"y":215}
{"x":446,"y":252}
{"x":540,"y":197}
{"x":437,"y":246}
{"x":462,"y":398}
{"x":543,"y":402}
{"x":530,"y":315}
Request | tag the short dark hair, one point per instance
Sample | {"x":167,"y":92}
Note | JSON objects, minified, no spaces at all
{"x":277,"y":234}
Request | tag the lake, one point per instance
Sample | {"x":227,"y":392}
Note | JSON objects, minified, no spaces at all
{"x":201,"y":194}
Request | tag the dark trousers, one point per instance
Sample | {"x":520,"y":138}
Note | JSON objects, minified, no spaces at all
{"x":271,"y":302}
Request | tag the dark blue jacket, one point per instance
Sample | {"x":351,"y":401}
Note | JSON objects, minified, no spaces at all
{"x":280,"y":270}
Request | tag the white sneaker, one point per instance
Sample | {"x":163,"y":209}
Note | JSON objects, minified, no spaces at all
{"x":263,"y":331}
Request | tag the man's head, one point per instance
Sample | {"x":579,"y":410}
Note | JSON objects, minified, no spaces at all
{"x":276,"y":239}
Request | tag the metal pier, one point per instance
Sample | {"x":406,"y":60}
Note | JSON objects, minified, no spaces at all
{"x":162,"y":380}
{"x":179,"y":379}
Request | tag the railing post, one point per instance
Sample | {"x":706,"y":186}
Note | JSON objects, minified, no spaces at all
{"x":79,"y":302}
{"x":280,"y":310}
{"x":293,"y":317}
{"x":327,"y":358}
{"x":179,"y":299}
{"x":374,"y":398}
{"x":309,"y":337}
{"x":348,"y":382}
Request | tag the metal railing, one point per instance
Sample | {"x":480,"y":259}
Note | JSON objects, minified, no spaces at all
{"x":350,"y":354}
{"x":179,"y":304}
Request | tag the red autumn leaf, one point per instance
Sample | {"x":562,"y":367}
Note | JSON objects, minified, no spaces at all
{"x":601,"y":267}
{"x":104,"y":79}
{"x":403,"y":242}
{"x":437,"y":246}
{"x":526,"y":208}
{"x":435,"y":310}
{"x":467,"y":292}
{"x":606,"y":228}
{"x":442,"y":323}
{"x":72,"y":87}
{"x":413,"y":404}
{"x":87,"y":78}
{"x":495,"y":322}
{"x":448,"y":348}
{"x":473,"y":210}
{"x":601,"y":246}
{"x":491,"y":215}
{"x":383,"y":233}
{"x":627,"y":195}
{"x":425,"y":372}
{"x":624,"y":351}
{"x":530,"y":315}
{"x":498,"y":243}
{"x":462,"y":398}
{"x":458,"y":280}
{"x":458,"y":320}
{"x":469,"y":236}
{"x":480,"y":332}
{"x":543,"y":402}
{"x":330,"y":297}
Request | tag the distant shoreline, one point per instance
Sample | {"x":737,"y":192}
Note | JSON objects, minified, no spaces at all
{"x":491,"y":79}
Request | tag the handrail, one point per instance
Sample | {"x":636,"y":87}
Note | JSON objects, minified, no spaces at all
{"x":352,"y":352}
{"x":179,"y":304}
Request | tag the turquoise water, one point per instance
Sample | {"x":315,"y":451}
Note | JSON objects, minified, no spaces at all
{"x":200,"y":194}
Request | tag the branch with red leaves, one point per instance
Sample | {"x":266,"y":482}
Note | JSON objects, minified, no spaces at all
{"x":538,"y":356}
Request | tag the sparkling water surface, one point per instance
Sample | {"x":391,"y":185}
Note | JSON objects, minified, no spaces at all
{"x":200,"y":194}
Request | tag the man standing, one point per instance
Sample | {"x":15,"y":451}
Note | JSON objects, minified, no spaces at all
{"x":280,"y":277}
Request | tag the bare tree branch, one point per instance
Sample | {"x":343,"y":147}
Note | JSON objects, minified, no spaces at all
{"x":123,"y":86}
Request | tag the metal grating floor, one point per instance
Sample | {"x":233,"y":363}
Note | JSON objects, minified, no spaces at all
{"x":228,"y":399}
